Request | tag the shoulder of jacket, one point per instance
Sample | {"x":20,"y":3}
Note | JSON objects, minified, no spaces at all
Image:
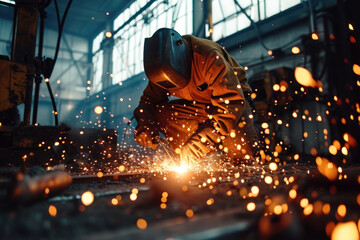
{"x":200,"y":45}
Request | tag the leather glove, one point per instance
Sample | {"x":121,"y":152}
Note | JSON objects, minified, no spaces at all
{"x":199,"y":144}
{"x":147,"y":136}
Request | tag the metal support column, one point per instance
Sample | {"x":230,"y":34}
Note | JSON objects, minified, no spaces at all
{"x":107,"y":45}
{"x":209,"y":19}
{"x":199,"y":18}
{"x":24,"y":43}
{"x":89,"y":70}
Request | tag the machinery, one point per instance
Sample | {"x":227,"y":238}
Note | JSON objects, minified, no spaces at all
{"x":23,"y":143}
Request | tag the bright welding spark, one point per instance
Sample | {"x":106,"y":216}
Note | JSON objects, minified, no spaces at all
{"x":98,"y":110}
{"x":255,"y":191}
{"x":356,"y":69}
{"x":268,"y":180}
{"x":273,"y":166}
{"x":326,"y":208}
{"x":87,"y":198}
{"x":251,"y":206}
{"x":351,"y":27}
{"x":308,"y":209}
{"x":304,"y":77}
{"x":189,"y":213}
{"x":141,"y":223}
{"x":347,"y":230}
{"x":292,"y":194}
{"x":327,"y":168}
{"x":210,"y":201}
{"x":315,"y":36}
{"x":133,"y":197}
{"x":277,"y":209}
{"x":114,"y":201}
{"x":341,"y":210}
{"x":121,"y":168}
{"x":135,"y":191}
{"x":295,"y":50}
{"x":52,"y":210}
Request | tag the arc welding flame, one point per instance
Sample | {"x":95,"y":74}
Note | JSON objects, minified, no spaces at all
{"x":181,"y":169}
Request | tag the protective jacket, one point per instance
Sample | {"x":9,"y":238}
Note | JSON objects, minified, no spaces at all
{"x":218,"y":83}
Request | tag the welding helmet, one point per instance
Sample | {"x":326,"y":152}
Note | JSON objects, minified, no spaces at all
{"x":167,"y":62}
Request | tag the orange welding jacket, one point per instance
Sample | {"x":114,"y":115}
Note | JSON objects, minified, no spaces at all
{"x":216,"y":79}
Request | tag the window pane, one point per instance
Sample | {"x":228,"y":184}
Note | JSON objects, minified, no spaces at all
{"x":162,"y":20}
{"x":97,"y":71}
{"x":243,"y":22}
{"x":180,"y":25}
{"x":262,"y":9}
{"x":245,"y":3}
{"x":285,"y":4}
{"x":272,"y":7}
{"x":129,"y":42}
{"x":217,"y":14}
{"x":97,"y":41}
{"x":230,"y":26}
{"x":254,"y":13}
{"x":228,"y":7}
{"x":218,"y":32}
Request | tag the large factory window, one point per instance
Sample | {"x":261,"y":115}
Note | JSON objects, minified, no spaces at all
{"x":97,"y":63}
{"x":228,"y":16}
{"x":5,"y":36}
{"x":129,"y":41}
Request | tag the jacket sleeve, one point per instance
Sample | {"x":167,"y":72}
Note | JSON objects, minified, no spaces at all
{"x":152,"y":95}
{"x":227,"y":96}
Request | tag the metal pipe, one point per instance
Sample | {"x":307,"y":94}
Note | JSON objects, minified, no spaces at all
{"x":27,"y":189}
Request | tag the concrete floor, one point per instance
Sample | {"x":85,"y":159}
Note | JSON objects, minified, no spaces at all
{"x":294,"y":201}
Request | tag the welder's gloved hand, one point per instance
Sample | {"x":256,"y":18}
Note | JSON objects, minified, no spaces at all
{"x":147,"y":136}
{"x":199,"y":144}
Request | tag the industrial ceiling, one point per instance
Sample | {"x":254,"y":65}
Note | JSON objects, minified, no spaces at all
{"x":85,"y":18}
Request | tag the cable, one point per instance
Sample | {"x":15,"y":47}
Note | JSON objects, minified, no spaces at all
{"x":39,"y":59}
{"x":57,"y":14}
{"x":60,"y":26}
{"x":60,"y":29}
{"x":253,"y":24}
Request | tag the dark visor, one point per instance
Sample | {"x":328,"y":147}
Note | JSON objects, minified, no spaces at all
{"x":166,"y":84}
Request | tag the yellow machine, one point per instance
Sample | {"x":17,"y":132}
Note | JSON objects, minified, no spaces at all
{"x":17,"y":73}
{"x":12,"y":84}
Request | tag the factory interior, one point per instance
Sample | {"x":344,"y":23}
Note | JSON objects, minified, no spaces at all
{"x":72,"y":74}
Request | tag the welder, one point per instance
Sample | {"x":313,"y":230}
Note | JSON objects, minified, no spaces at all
{"x":197,"y":97}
